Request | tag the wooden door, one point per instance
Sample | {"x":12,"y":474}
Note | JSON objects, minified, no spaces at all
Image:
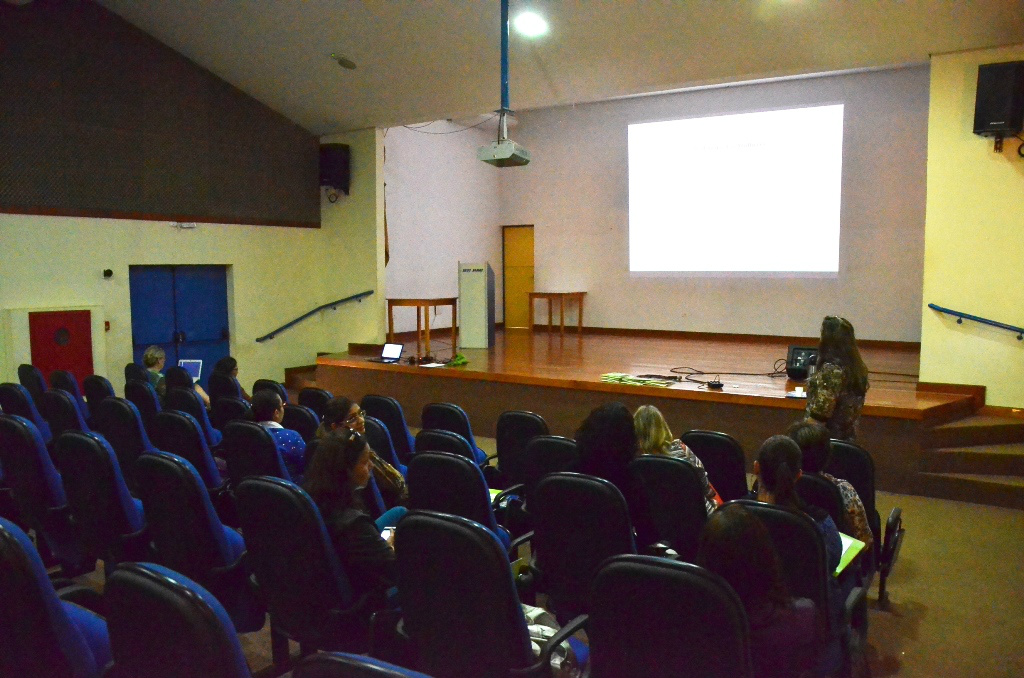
{"x":517,"y":272}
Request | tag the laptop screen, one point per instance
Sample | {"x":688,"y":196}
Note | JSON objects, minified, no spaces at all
{"x":193,"y":367}
{"x":391,"y":352}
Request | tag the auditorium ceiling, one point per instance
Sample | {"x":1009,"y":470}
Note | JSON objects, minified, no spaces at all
{"x":421,"y":60}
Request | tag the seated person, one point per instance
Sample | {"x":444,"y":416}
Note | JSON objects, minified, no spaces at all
{"x":268,"y":412}
{"x":337,"y":473}
{"x":342,"y":414}
{"x":607,"y":443}
{"x":736,"y":546}
{"x":813,"y":439}
{"x":777,"y":468}
{"x":229,"y":366}
{"x":153,"y":360}
{"x":178,"y":377}
{"x":654,"y":437}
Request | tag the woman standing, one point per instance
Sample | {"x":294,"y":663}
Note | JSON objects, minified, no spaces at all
{"x":835,"y":393}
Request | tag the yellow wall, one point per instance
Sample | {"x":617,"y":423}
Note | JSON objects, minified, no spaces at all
{"x":974,"y":238}
{"x":275,"y":274}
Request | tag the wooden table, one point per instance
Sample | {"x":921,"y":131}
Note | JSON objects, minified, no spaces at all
{"x":561,"y":297}
{"x":421,"y":304}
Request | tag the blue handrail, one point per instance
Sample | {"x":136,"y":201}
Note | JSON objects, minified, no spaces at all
{"x":984,"y":321}
{"x":331,"y":305}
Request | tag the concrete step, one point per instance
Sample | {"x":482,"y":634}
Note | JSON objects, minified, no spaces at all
{"x":993,"y":490}
{"x":978,"y":429}
{"x":1006,"y":459}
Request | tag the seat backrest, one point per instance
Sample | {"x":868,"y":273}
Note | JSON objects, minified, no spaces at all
{"x":292,"y":557}
{"x":179,"y":433}
{"x":250,"y":450}
{"x":389,"y":411}
{"x":61,"y":411}
{"x":658,"y":618}
{"x":119,"y":421}
{"x":15,"y":399}
{"x":39,"y":493}
{"x":801,"y":550}
{"x":96,"y":389}
{"x":379,"y":439}
{"x":515,"y":429}
{"x":37,"y":638}
{"x":579,"y":521}
{"x":186,"y":532}
{"x":302,"y":420}
{"x":675,"y":496}
{"x":223,"y":385}
{"x":271,"y":385}
{"x":723,"y":460}
{"x":29,"y":470}
{"x":144,"y":397}
{"x":135,"y":372}
{"x":345,"y":665}
{"x":450,"y":483}
{"x":187,"y":400}
{"x":65,"y":381}
{"x":458,"y":635}
{"x":854,"y":464}
{"x":164,"y":625}
{"x":315,"y":399}
{"x":548,"y":454}
{"x":447,"y":417}
{"x":823,"y":493}
{"x":227,"y":409}
{"x":436,"y":440}
{"x":104,"y":510}
{"x":31,"y":377}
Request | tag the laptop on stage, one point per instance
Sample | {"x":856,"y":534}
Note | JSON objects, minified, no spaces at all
{"x":392,"y":353}
{"x":193,"y":367}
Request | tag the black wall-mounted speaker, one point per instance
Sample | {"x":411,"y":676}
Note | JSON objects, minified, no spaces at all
{"x":334,"y":166}
{"x":999,"y":105}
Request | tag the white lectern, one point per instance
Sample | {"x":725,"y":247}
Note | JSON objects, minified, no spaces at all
{"x":476,"y":305}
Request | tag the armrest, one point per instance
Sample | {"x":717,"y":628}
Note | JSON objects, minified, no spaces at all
{"x":496,"y":502}
{"x":893,"y":539}
{"x":85,"y":597}
{"x":542,"y":667}
{"x":662,"y":550}
{"x":855,"y":613}
{"x":519,"y":541}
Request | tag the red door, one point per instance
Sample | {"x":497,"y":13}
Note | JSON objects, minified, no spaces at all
{"x":61,"y":340}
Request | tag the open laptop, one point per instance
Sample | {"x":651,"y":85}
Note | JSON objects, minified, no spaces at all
{"x":392,"y":353}
{"x":193,"y":367}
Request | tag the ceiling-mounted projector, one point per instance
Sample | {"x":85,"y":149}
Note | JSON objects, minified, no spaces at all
{"x":504,"y":153}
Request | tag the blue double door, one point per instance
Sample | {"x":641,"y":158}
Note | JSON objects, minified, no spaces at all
{"x":181,"y":309}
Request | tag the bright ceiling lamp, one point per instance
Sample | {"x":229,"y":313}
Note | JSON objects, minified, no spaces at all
{"x":530,"y":24}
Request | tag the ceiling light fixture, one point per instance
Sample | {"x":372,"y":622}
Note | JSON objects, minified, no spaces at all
{"x":343,"y":61}
{"x":530,"y":24}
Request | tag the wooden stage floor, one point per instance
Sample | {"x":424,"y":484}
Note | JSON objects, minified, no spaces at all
{"x":559,"y":376}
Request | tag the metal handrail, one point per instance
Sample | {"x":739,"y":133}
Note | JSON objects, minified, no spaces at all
{"x":984,"y":321}
{"x":331,"y":305}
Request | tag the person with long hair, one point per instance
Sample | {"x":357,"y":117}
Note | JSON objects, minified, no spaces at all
{"x":341,"y":414}
{"x":778,"y":466}
{"x":607,"y":443}
{"x":228,"y":366}
{"x":655,"y":437}
{"x":836,"y":390}
{"x":336,"y":474}
{"x":736,"y":546}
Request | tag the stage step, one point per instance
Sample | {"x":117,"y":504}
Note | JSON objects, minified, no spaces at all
{"x":993,"y":490}
{"x":978,"y":429}
{"x":1006,"y":460}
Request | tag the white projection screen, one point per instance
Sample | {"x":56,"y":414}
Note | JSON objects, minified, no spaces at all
{"x":750,"y":192}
